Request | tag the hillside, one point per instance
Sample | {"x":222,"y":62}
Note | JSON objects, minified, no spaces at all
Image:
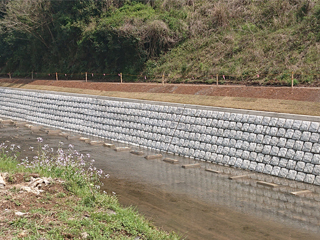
{"x":258,"y":42}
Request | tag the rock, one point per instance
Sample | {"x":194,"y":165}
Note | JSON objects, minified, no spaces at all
{"x":2,"y":182}
{"x":36,"y":184}
{"x":84,"y":235}
{"x":111,"y":212}
{"x":20,"y":214}
{"x":32,"y":190}
{"x":23,"y":234}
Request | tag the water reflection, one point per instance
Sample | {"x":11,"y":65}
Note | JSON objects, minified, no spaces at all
{"x":244,"y":195}
{"x":248,"y":197}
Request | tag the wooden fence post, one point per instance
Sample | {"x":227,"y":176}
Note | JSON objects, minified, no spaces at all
{"x":217,"y":79}
{"x":32,"y":75}
{"x":57,"y":76}
{"x":121,"y":77}
{"x":163,"y":79}
{"x":86,"y":76}
{"x":292,"y":80}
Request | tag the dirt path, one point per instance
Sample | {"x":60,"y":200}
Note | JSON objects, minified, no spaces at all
{"x":305,"y":101}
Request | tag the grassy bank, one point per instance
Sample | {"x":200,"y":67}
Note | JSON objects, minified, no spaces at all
{"x":70,"y":206}
{"x":262,"y":42}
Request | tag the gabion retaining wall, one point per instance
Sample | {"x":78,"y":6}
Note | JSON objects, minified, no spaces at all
{"x":283,"y":147}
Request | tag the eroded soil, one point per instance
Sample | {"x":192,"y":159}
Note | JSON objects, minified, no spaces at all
{"x":285,"y":93}
{"x":18,"y":206}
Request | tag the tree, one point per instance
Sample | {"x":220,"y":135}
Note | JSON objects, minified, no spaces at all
{"x":29,"y":17}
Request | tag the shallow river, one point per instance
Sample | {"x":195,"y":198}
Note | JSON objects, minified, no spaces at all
{"x":193,"y":202}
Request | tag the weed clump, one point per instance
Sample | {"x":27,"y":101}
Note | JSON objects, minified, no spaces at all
{"x":72,"y":206}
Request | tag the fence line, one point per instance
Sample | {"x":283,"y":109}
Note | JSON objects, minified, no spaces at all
{"x":285,"y":78}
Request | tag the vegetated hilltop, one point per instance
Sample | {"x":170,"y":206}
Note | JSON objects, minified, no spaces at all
{"x":263,"y":41}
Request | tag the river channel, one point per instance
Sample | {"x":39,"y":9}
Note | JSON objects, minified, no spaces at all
{"x":193,"y":202}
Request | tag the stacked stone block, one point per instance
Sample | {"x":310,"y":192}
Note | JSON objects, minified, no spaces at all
{"x":282,"y":147}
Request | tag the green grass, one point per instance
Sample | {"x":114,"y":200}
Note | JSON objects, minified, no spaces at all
{"x":80,"y":210}
{"x":244,"y":39}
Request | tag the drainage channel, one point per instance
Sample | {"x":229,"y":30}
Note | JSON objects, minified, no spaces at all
{"x":199,"y":200}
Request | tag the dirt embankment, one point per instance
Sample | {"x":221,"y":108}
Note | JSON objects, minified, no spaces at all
{"x":295,"y":100}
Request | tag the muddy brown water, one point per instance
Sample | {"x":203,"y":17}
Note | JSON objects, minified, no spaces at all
{"x":193,"y":202}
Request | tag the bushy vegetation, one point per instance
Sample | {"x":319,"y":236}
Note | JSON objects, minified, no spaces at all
{"x":188,"y":40}
{"x":79,"y":36}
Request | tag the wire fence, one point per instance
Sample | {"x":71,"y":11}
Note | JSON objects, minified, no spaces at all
{"x":86,"y":76}
{"x":277,"y":79}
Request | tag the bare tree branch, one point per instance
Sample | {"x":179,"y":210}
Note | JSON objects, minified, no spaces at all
{"x":27,"y":16}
